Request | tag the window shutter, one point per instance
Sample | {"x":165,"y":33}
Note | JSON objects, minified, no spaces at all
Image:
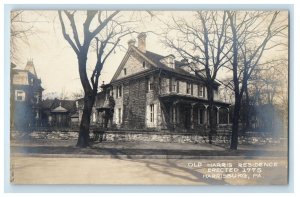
{"x":204,"y":90}
{"x":177,"y":86}
{"x":170,"y":85}
{"x":154,"y":114}
{"x":192,"y":89}
{"x":187,"y":87}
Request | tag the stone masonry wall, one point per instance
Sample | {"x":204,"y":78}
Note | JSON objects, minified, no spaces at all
{"x":131,"y":136}
{"x":133,"y":65}
{"x":135,"y":104}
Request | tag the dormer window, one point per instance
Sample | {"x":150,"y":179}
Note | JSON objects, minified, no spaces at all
{"x":169,"y":61}
{"x":125,"y":71}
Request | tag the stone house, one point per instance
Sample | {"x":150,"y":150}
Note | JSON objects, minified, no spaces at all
{"x":157,"y":92}
{"x":26,"y":97}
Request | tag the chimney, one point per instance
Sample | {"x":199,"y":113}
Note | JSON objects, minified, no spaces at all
{"x":184,"y":61}
{"x":131,"y":42}
{"x":142,"y":42}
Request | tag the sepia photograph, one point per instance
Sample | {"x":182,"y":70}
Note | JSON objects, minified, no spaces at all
{"x":149,"y":97}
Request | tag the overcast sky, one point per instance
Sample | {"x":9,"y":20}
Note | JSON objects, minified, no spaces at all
{"x":56,"y":62}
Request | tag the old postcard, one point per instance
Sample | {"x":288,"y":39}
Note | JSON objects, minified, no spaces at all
{"x":149,"y":97}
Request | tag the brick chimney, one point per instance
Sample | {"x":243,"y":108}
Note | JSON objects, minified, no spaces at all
{"x":142,"y":42}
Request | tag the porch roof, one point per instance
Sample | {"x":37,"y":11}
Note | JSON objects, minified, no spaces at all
{"x":190,"y":100}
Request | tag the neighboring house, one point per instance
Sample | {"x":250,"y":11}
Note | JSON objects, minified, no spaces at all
{"x":59,"y":113}
{"x":97,"y":116}
{"x":26,"y":91}
{"x":158,"y":92}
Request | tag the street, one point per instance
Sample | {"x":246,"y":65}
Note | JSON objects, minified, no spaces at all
{"x":66,"y":170}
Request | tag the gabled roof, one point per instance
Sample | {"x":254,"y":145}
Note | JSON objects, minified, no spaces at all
{"x":52,"y":104}
{"x":155,"y":60}
{"x":59,"y":109}
{"x":30,"y":67}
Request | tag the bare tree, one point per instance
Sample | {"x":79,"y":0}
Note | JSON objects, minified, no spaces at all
{"x":252,"y":34}
{"x":205,"y":43}
{"x":103,"y":30}
{"x":22,"y":28}
{"x":77,"y":95}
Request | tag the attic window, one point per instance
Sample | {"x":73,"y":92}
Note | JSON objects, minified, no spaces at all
{"x":144,"y":64}
{"x":125,"y":71}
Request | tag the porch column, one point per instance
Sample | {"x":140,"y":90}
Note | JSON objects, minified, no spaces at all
{"x":218,"y":115}
{"x":228,"y":116}
{"x":192,"y":115}
{"x":206,"y":115}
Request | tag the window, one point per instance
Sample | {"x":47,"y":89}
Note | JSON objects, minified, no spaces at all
{"x":200,"y":90}
{"x":144,"y":64}
{"x":119,"y":115}
{"x":125,"y":72}
{"x":20,"y":95}
{"x":174,"y":85}
{"x":189,"y":88}
{"x":216,"y":95}
{"x":31,"y":81}
{"x":150,"y":84}
{"x":37,"y":98}
{"x":152,"y":113}
{"x":119,"y":91}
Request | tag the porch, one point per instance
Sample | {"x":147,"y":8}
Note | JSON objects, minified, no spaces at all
{"x":190,"y":114}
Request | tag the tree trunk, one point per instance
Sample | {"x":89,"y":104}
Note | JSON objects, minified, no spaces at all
{"x":84,"y":129}
{"x":212,"y":123}
{"x":247,"y":109}
{"x":235,"y":124}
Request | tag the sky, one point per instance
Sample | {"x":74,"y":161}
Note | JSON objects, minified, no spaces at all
{"x":56,"y":63}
